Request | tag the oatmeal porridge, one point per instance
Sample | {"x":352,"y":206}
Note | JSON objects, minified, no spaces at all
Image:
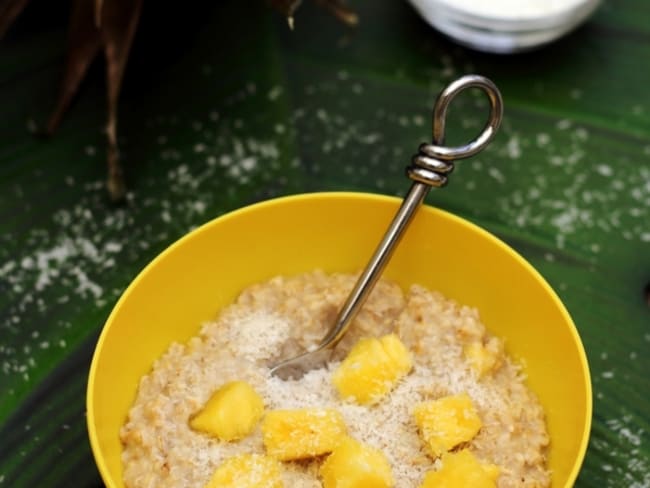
{"x":452,"y":357}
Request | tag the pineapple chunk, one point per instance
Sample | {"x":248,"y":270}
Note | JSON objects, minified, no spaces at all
{"x":460,"y":470}
{"x":231,"y":413}
{"x":372,"y":368}
{"x":447,"y":422}
{"x":302,"y":433}
{"x":484,"y":358}
{"x":355,"y":465}
{"x":248,"y":471}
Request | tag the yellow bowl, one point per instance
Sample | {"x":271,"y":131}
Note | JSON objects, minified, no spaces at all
{"x":190,"y":281}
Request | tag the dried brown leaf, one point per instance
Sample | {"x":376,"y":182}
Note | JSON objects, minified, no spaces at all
{"x":95,"y":25}
{"x":337,"y":7}
{"x":110,"y":26}
{"x":9,"y":10}
{"x":99,"y":6}
{"x":341,"y":11}
{"x":110,"y":29}
{"x":84,"y":43}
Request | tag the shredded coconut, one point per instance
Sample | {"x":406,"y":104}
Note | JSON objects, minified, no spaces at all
{"x":285,"y":316}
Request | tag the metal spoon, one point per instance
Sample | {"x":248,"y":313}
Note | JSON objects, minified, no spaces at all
{"x":428,"y":168}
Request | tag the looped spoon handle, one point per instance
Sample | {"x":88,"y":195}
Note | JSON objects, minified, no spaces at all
{"x":430,"y":167}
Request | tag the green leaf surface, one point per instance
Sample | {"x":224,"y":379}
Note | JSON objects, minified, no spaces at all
{"x":223,"y":106}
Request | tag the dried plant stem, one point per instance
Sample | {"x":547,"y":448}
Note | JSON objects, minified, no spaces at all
{"x":119,"y":21}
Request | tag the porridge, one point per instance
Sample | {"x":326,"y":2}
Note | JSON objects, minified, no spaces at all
{"x":454,"y":363}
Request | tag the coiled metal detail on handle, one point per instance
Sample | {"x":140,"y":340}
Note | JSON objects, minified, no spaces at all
{"x":434,"y":162}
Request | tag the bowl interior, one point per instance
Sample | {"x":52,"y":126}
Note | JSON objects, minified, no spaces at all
{"x":189,"y":282}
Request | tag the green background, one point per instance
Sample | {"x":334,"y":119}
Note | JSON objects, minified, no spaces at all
{"x":223,"y":106}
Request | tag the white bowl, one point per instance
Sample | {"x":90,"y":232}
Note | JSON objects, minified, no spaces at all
{"x":487,"y":25}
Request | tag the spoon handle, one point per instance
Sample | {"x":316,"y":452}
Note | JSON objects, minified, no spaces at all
{"x":429,"y":168}
{"x":368,"y":278}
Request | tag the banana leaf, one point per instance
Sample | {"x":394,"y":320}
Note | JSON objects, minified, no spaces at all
{"x":223,"y":105}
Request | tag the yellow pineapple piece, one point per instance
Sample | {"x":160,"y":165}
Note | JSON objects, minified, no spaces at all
{"x":356,"y":465}
{"x":231,"y":413}
{"x":248,"y":471}
{"x":302,"y":433}
{"x":461,"y":470}
{"x":372,"y":368}
{"x":484,"y":358}
{"x":447,"y":422}
{"x":492,"y":470}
